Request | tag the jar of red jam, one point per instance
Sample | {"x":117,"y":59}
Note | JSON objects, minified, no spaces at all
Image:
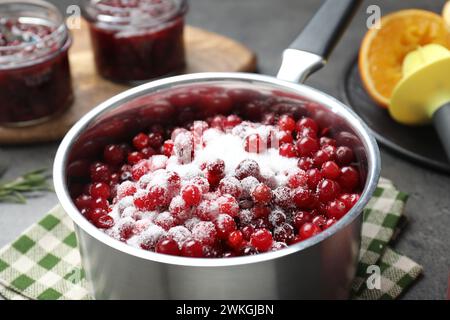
{"x":35,"y":81}
{"x":136,"y":40}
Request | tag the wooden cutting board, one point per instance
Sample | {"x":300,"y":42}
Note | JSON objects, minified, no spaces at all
{"x":206,"y":51}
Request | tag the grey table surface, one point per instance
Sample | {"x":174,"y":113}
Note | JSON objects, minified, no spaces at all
{"x":267,"y":27}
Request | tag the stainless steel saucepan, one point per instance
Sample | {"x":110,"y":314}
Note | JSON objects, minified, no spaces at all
{"x":320,"y":267}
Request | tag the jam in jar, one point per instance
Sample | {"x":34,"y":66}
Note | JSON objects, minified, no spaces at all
{"x":136,"y":40}
{"x":35,"y":81}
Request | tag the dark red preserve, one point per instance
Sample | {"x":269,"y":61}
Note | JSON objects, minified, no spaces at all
{"x":136,"y":40}
{"x":35,"y":81}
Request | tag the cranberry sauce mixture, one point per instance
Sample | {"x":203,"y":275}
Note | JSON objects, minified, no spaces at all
{"x":35,"y":78}
{"x":223,"y":187}
{"x":13,"y":33}
{"x":137,"y":50}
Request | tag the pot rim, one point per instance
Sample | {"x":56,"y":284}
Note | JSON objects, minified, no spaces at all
{"x":360,"y":128}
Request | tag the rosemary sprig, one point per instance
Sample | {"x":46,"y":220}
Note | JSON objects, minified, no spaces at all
{"x":16,"y":190}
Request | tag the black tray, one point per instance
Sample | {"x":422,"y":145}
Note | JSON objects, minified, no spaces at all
{"x":419,"y":144}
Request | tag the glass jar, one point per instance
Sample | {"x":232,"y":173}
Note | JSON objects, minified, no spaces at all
{"x":35,"y":81}
{"x":136,"y":40}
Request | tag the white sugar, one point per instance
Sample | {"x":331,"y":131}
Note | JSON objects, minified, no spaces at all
{"x":229,"y":147}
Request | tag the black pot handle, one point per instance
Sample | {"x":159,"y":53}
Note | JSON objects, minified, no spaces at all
{"x":312,"y":47}
{"x":326,"y":27}
{"x":441,"y":121}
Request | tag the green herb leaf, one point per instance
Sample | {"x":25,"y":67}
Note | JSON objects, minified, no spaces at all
{"x":16,"y":190}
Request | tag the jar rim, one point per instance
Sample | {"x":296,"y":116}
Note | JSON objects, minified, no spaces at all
{"x":93,"y":11}
{"x":59,"y":36}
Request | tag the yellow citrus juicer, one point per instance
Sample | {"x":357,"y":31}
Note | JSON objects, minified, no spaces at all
{"x":423,"y":94}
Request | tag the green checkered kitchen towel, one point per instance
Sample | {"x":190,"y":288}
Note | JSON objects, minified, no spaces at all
{"x":44,"y":262}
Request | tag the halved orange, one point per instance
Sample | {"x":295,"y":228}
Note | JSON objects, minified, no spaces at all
{"x":446,"y":13}
{"x":383,"y":50}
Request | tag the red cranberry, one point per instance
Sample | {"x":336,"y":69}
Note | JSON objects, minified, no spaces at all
{"x":277,"y":217}
{"x":282,"y":197}
{"x":155,"y":197}
{"x":268,"y":119}
{"x":296,"y":239}
{"x":344,"y":156}
{"x":319,"y":221}
{"x":349,"y":178}
{"x":349,"y":199}
{"x":155,"y":140}
{"x":260,"y":211}
{"x":300,"y":218}
{"x":114,"y":180}
{"x":307,"y":133}
{"x":254,"y":144}
{"x":232,"y":121}
{"x":212,"y":252}
{"x":104,"y":222}
{"x":203,"y":210}
{"x":148,"y":152}
{"x":224,"y":225}
{"x":330,"y":150}
{"x":302,"y":198}
{"x":205,"y":232}
{"x":218,"y":122}
{"x":114,"y":154}
{"x":305,"y":163}
{"x":288,"y":150}
{"x":101,"y":203}
{"x":331,"y":170}
{"x":261,"y":239}
{"x":134,"y":157}
{"x":83,"y":202}
{"x":247,"y":231}
{"x":286,"y":123}
{"x":307,"y":123}
{"x":191,"y":194}
{"x":213,"y":179}
{"x":320,"y":157}
{"x":314,"y":177}
{"x":100,"y":190}
{"x":283,"y":233}
{"x":329,"y":223}
{"x":216,"y":167}
{"x":230,"y":185}
{"x":262,"y":194}
{"x":94,"y":214}
{"x":261,"y":223}
{"x":168,"y":148}
{"x":327,"y":190}
{"x":297,"y":179}
{"x":202,"y":183}
{"x":336,"y":209}
{"x":235,"y":239}
{"x":285,"y":137}
{"x":165,"y":220}
{"x":192,"y":248}
{"x":307,"y":146}
{"x":141,"y":168}
{"x":228,"y":205}
{"x":326,"y":141}
{"x":248,"y":251}
{"x":308,"y":230}
{"x":247,"y":168}
{"x":141,"y":141}
{"x":167,"y":246}
{"x":100,"y":172}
